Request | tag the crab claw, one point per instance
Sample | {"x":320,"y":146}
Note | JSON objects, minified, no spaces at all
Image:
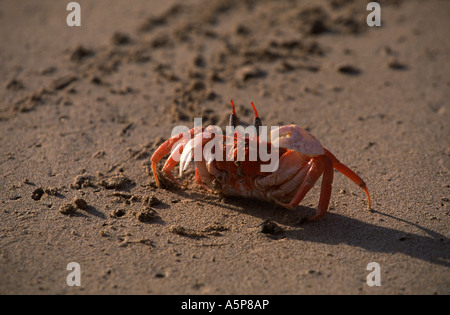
{"x":295,"y":138}
{"x":186,"y":156}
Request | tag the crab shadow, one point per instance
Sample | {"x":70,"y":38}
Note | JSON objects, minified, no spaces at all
{"x":429,"y":246}
{"x":336,"y":229}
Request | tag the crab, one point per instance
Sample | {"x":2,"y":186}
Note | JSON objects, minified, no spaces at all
{"x":302,"y":160}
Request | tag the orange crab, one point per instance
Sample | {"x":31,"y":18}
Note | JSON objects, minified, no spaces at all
{"x":301,"y":162}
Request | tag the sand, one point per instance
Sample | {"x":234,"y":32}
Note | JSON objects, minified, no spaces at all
{"x":82,"y":109}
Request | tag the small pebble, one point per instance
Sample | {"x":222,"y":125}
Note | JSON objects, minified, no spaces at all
{"x":80,"y":203}
{"x":67,"y":209}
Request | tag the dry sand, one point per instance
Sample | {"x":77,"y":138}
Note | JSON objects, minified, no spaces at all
{"x":83,"y":108}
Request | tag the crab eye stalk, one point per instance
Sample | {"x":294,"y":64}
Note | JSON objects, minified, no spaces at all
{"x":257,"y":121}
{"x":234,"y":120}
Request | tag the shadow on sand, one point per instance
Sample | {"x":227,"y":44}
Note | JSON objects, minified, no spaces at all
{"x":338,"y":229}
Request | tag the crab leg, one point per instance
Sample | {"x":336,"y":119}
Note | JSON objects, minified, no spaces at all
{"x":165,"y":148}
{"x":173,"y":160}
{"x":202,"y":174}
{"x":321,"y":165}
{"x":199,"y":180}
{"x":314,"y":172}
{"x":186,"y":156}
{"x":162,"y":150}
{"x":288,"y":166}
{"x":325,"y":190}
{"x":290,"y":187}
{"x":349,"y":174}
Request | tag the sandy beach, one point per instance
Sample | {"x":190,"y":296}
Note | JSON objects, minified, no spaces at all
{"x":83,"y":108}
